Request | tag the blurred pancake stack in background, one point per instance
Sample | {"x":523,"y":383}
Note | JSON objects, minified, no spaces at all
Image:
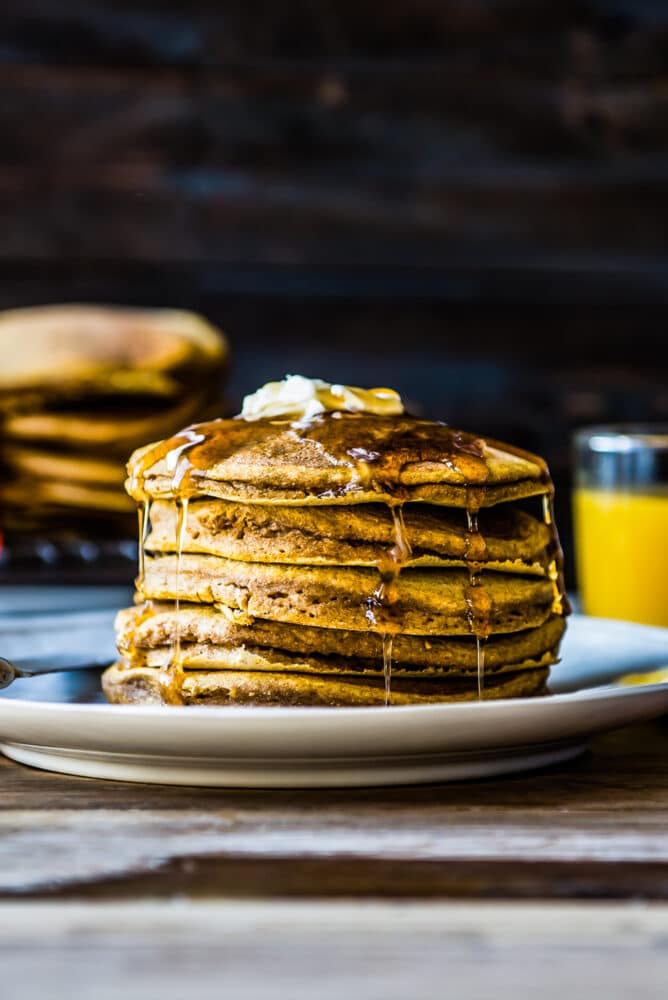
{"x":80,"y":387}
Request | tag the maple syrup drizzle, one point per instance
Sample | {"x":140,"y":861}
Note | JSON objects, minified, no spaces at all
{"x":144,"y":518}
{"x":376,"y":461}
{"x":128,"y":647}
{"x":478,"y":603}
{"x":555,"y":570}
{"x":388,"y":640}
{"x":183,"y":485}
{"x":388,"y":592}
{"x":181,"y":521}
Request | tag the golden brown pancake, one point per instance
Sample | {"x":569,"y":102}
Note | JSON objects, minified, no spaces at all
{"x":304,"y":554}
{"x":63,"y":466}
{"x":350,"y":536}
{"x":80,"y":385}
{"x":430,"y":601}
{"x":145,"y":685}
{"x":116,"y":432}
{"x":208,"y":640}
{"x":140,"y":629}
{"x":30,"y":494}
{"x":57,"y":349}
{"x":340,"y":458}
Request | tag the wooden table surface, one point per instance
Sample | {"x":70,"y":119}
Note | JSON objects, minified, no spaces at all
{"x":557,"y":878}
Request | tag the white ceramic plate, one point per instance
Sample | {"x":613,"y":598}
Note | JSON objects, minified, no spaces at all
{"x":60,"y":722}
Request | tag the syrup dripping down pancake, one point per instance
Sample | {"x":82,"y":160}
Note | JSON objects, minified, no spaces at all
{"x":326,"y":548}
{"x":350,"y":536}
{"x":144,"y":685}
{"x":210,"y":640}
{"x":355,"y":458}
{"x":430,"y":601}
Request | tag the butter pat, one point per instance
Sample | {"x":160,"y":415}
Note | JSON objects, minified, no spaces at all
{"x":300,"y":398}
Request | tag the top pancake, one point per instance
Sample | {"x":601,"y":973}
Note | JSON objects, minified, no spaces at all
{"x":335,"y":458}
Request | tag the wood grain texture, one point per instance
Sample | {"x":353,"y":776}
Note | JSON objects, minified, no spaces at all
{"x":593,"y":829}
{"x":499,"y":134}
{"x":465,"y":201}
{"x":372,"y":951}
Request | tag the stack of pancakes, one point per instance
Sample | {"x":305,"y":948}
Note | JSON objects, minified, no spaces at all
{"x":350,"y":558}
{"x":80,"y":387}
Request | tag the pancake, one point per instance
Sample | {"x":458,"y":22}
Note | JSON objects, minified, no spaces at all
{"x":431,"y":601}
{"x":60,"y":349}
{"x":117,"y":432}
{"x":58,"y":466}
{"x":145,"y":685}
{"x":30,"y":494}
{"x":210,"y":640}
{"x":340,"y":458}
{"x":350,"y":536}
{"x":326,"y":548}
{"x":80,"y":386}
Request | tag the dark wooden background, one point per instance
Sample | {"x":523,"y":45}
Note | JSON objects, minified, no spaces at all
{"x":465,"y":199}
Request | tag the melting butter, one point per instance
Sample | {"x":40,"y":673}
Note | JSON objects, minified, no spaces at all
{"x":299,"y":398}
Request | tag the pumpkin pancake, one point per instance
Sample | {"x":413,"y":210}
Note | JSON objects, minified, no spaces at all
{"x":144,"y":685}
{"x":27,"y":495}
{"x":59,"y":350}
{"x":117,"y":432}
{"x":335,"y":458}
{"x":58,"y":466}
{"x":209,"y":640}
{"x":357,"y":535}
{"x":327,"y":548}
{"x":430,"y":601}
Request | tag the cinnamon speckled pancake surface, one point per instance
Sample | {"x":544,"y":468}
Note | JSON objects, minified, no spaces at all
{"x":336,"y":459}
{"x":209,"y":639}
{"x":428,"y":601}
{"x":145,"y":685}
{"x":358,"y":535}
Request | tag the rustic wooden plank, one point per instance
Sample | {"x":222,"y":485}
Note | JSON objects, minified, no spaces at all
{"x":374,"y":951}
{"x":246,"y":217}
{"x":592,"y":829}
{"x":145,"y":32}
{"x":416,"y":117}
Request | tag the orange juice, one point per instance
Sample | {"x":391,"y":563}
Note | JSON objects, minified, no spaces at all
{"x":621,"y":548}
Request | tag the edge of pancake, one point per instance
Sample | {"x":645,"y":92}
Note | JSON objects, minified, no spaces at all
{"x":441,"y":495}
{"x":142,"y":685}
{"x":357,"y":536}
{"x":428,"y":600}
{"x":141,"y":632}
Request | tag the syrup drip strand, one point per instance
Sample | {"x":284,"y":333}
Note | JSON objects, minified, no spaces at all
{"x":181,"y":520}
{"x":556,"y":565}
{"x":144,"y":516}
{"x":478,"y":604}
{"x":388,"y":640}
{"x":480,"y":657}
{"x":380,"y":610}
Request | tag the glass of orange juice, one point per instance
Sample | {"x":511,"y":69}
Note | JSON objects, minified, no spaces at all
{"x":620,"y":511}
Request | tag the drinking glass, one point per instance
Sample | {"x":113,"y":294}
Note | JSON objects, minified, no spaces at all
{"x":620,"y":511}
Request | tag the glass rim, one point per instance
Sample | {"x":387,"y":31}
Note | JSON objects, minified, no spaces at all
{"x":622,"y":437}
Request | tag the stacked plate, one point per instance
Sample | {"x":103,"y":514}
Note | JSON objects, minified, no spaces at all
{"x":80,"y":387}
